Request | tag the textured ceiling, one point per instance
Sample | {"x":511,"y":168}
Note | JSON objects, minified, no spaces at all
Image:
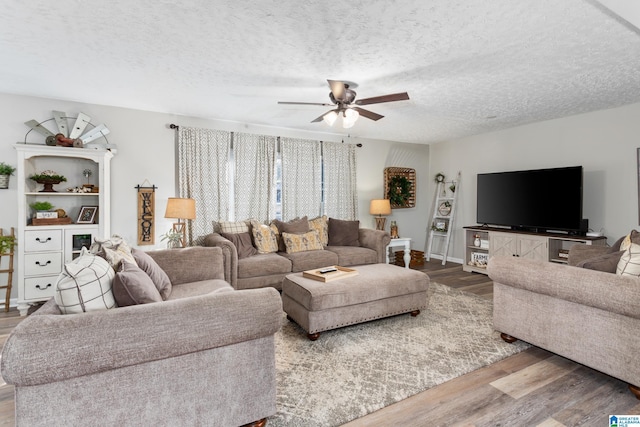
{"x":469,"y":66}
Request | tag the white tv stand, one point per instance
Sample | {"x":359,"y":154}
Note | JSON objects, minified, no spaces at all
{"x":551,"y":247}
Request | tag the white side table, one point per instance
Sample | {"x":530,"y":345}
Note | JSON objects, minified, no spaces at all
{"x":401,"y":242}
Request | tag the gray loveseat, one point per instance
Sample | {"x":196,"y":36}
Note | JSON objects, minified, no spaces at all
{"x":591,"y":317}
{"x":268,"y":270}
{"x":206,"y":356}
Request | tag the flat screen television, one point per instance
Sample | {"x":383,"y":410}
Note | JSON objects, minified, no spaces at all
{"x":536,"y":200}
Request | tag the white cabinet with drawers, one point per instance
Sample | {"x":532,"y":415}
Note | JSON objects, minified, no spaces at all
{"x":44,"y":249}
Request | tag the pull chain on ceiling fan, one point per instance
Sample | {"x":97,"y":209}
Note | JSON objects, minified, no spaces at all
{"x":343,"y":97}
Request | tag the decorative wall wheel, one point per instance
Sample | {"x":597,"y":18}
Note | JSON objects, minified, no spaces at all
{"x":81,"y":134}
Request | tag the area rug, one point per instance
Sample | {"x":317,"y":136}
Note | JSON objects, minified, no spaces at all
{"x":353,"y":371}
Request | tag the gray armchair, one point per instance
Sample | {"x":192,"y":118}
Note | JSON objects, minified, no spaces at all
{"x":207,"y":358}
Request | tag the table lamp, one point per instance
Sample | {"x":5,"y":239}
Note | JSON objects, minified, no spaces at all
{"x":380,"y":207}
{"x":181,"y":209}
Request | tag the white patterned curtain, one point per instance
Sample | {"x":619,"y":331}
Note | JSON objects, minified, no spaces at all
{"x":301,"y":178}
{"x":202,"y":175}
{"x":254,"y":189}
{"x":340,"y":189}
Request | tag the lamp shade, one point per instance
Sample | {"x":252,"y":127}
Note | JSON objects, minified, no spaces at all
{"x":180,"y":208}
{"x":380,"y":207}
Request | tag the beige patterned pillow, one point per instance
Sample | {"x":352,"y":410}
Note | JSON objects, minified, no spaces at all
{"x":264,"y":238}
{"x":113,"y":250}
{"x":629,"y":264}
{"x":309,"y":241}
{"x":234,"y":227}
{"x":321,"y":225}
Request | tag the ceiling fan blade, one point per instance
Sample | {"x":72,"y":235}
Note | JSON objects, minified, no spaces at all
{"x":368,"y":114}
{"x":319,"y":119}
{"x":305,"y":103}
{"x":384,"y":98}
{"x":337,"y":89}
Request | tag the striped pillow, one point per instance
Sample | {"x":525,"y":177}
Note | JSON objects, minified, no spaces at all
{"x":233,"y":227}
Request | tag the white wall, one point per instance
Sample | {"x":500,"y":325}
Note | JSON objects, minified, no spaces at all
{"x":146,"y":150}
{"x":603,"y":142}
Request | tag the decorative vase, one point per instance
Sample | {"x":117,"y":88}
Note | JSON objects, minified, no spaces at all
{"x":4,"y":181}
{"x":48,"y":185}
{"x":476,"y":242}
{"x":394,"y":230}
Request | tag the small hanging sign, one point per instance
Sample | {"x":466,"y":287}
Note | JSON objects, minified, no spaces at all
{"x":146,"y":213}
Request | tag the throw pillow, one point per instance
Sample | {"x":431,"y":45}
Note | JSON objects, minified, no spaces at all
{"x":115,"y":244}
{"x":233,"y":227}
{"x":633,"y":237}
{"x":154,"y":271}
{"x":133,"y":286}
{"x":298,"y":226}
{"x":85,"y":284}
{"x":629,"y":264}
{"x":309,"y":241}
{"x":321,"y":225}
{"x":115,"y":257}
{"x":264,"y":238}
{"x":242,"y":242}
{"x":607,"y":262}
{"x":344,"y":233}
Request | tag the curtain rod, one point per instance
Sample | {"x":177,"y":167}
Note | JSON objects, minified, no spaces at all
{"x":177,"y":128}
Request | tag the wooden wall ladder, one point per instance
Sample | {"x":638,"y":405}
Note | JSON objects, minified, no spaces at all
{"x":441,"y":224}
{"x":8,"y":270}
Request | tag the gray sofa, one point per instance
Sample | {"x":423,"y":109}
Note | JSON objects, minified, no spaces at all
{"x":589,"y":316}
{"x":206,"y":356}
{"x":268,"y":270}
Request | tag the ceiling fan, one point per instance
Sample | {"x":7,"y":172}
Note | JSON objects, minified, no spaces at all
{"x":343,"y":98}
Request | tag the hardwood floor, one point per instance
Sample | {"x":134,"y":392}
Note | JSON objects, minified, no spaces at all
{"x":532,"y":388}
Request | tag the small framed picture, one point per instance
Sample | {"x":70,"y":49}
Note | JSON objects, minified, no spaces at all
{"x":87,"y":215}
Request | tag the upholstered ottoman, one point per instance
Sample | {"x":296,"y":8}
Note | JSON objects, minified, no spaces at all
{"x":379,"y":290}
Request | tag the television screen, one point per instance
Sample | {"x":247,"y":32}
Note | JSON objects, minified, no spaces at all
{"x":542,"y":199}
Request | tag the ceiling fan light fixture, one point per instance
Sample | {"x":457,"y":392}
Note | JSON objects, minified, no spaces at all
{"x":349,"y":118}
{"x":330,"y":118}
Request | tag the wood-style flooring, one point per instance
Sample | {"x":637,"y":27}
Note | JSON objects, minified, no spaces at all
{"x":532,"y":388}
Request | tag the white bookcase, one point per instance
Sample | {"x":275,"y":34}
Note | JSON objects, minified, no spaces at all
{"x":44,"y":249}
{"x":481,"y":243}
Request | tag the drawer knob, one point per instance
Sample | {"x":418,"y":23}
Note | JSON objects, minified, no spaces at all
{"x":45,"y":264}
{"x":43,"y":288}
{"x":48,"y":239}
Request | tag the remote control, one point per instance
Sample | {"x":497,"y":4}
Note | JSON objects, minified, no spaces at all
{"x":327,"y":270}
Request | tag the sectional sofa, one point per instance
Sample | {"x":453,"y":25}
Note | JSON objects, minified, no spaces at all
{"x":364,"y":246}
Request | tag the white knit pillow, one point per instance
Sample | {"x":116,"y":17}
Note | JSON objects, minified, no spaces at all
{"x":629,"y":264}
{"x":85,"y":284}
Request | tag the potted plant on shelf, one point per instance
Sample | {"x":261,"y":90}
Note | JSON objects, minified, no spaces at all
{"x":41,"y":207}
{"x":48,"y":178}
{"x":5,"y":172}
{"x":7,"y":243}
